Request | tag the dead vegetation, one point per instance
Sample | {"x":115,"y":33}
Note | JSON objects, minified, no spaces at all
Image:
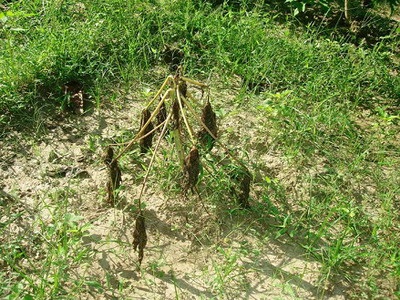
{"x":114,"y":175}
{"x":176,"y":112}
{"x":140,"y":237}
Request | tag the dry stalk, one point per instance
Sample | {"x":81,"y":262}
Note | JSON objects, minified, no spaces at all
{"x":153,"y":156}
{"x":168,"y":79}
{"x":142,"y":137}
{"x":189,"y":129}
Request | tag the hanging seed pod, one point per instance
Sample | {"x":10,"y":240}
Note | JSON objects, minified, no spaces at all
{"x":192,"y":169}
{"x":146,"y":142}
{"x":209,"y":119}
{"x":140,"y":236}
{"x":114,"y":175}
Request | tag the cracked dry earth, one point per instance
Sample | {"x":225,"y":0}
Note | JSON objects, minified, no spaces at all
{"x":190,"y":254}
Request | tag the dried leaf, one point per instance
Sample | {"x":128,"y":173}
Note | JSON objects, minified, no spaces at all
{"x":182,"y":88}
{"x":114,"y":174}
{"x":146,"y":142}
{"x":242,"y":178}
{"x":175,"y":114}
{"x":162,"y":114}
{"x":209,"y":119}
{"x":140,"y":236}
{"x":192,"y":169}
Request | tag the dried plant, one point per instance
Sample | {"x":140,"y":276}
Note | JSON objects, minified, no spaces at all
{"x":140,"y":236}
{"x":114,"y":175}
{"x":192,"y":169}
{"x":174,"y":105}
{"x":146,"y":140}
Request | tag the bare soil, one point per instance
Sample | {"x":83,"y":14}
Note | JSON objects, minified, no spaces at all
{"x":190,"y":254}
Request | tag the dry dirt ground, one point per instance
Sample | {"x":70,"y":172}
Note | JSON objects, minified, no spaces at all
{"x":191,"y":253}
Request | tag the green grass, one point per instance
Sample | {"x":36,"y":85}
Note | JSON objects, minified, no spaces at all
{"x":327,"y":107}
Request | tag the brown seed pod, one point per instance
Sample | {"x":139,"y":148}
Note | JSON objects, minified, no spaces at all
{"x":209,"y":119}
{"x":140,"y":236}
{"x":114,"y":174}
{"x":192,"y":169}
{"x":146,"y":142}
